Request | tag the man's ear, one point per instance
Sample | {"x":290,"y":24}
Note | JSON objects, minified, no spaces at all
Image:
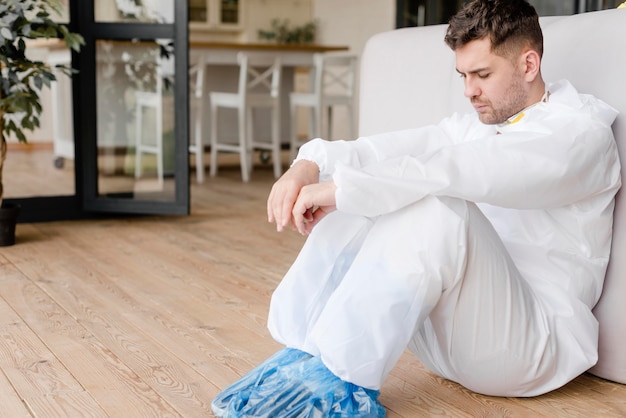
{"x":531,"y":62}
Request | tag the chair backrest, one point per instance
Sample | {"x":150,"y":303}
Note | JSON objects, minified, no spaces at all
{"x":334,"y":74}
{"x":259,"y":73}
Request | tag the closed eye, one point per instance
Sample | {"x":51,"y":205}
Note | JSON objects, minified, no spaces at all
{"x":479,"y":75}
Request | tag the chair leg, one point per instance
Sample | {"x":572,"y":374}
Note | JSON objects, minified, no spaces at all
{"x":278,"y":167}
{"x":294,"y":141}
{"x":200,"y":163}
{"x":249,"y":139}
{"x":138,"y":138}
{"x":159,"y":144}
{"x":199,"y":147}
{"x":351,"y":122}
{"x":317,"y":122}
{"x":329,"y":126}
{"x":213,"y":130}
{"x":244,"y":157}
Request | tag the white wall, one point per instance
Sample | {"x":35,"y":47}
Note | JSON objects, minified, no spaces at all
{"x":352,"y":22}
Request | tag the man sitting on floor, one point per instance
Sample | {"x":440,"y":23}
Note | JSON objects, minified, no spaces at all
{"x":480,"y":243}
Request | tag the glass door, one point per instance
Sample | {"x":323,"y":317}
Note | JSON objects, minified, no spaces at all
{"x":131,"y":125}
{"x":39,"y":175}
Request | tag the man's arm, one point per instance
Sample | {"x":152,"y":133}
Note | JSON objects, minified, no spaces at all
{"x":304,"y":194}
{"x":374,"y":149}
{"x":554,"y":166}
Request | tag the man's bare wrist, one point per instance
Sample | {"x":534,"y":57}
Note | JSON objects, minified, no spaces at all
{"x":309,"y":164}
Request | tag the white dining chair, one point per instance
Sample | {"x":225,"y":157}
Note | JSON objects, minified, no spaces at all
{"x":333,"y":83}
{"x":258,"y":87}
{"x":147,"y":141}
{"x":196,"y":99}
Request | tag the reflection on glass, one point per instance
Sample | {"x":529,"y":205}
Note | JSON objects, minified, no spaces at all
{"x":149,"y":11}
{"x":214,"y":12}
{"x":45,"y":165}
{"x":230,"y":11}
{"x":62,"y":13}
{"x":198,"y":10}
{"x":554,"y":7}
{"x":135,"y":119}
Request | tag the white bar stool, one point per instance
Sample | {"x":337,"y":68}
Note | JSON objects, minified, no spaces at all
{"x":144,"y":100}
{"x":258,"y":87}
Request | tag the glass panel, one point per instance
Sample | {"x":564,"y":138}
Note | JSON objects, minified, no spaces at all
{"x":62,"y":14}
{"x":554,"y":7}
{"x":198,"y":11}
{"x":230,"y":11}
{"x":135,"y":119}
{"x":149,"y":11}
{"x":425,"y":12}
{"x":45,"y":165}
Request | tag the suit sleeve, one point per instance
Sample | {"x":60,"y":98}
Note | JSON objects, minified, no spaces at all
{"x":371,"y":150}
{"x":548,"y":164}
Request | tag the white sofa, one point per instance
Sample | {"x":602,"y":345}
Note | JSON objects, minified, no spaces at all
{"x":408,"y":79}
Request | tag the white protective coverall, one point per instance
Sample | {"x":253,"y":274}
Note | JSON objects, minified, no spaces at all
{"x":481,"y":248}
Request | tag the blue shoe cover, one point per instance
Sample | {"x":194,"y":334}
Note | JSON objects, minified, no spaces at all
{"x":254,"y":378}
{"x":305,"y":389}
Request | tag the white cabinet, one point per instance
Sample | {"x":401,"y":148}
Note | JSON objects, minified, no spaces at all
{"x":215,"y":14}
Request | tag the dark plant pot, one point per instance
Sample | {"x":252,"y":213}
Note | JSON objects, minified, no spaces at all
{"x":8,"y":219}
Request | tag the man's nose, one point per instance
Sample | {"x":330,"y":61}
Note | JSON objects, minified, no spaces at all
{"x":471,"y":89}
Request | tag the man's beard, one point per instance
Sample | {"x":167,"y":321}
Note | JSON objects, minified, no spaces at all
{"x":515,"y":99}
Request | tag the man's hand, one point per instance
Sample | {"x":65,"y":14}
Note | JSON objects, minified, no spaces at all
{"x":285,"y":191}
{"x":313,"y":203}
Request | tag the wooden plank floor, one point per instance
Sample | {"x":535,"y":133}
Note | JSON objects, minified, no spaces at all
{"x":152,"y":316}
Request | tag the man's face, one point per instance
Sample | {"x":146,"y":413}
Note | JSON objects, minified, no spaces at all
{"x":495,"y":86}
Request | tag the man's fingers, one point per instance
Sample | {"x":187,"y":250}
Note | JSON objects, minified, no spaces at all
{"x":270,"y":206}
{"x":299,"y":214}
{"x":317,"y":216}
{"x":303,"y":213}
{"x":285,"y":207}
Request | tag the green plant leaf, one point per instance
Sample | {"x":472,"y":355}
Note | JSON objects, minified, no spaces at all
{"x":6,"y":33}
{"x":23,"y":79}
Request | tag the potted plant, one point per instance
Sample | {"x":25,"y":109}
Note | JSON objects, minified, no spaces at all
{"x":282,"y":32}
{"x":22,"y":79}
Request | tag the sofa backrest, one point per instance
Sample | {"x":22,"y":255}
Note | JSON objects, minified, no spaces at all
{"x":408,"y":79}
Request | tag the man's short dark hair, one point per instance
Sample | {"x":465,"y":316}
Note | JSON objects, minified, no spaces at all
{"x":511,"y":25}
